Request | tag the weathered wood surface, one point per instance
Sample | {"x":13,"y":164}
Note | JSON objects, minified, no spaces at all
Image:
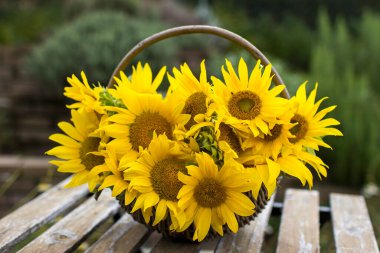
{"x":18,"y":225}
{"x":69,"y":232}
{"x":152,"y":240}
{"x":298,"y":232}
{"x":249,"y":238}
{"x":209,"y":246}
{"x":170,"y":246}
{"x":124,"y":236}
{"x":352,"y":226}
{"x":27,"y":163}
{"x":299,"y":229}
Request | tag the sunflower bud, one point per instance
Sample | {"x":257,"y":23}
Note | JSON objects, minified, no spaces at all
{"x":106,"y":99}
{"x":207,"y":143}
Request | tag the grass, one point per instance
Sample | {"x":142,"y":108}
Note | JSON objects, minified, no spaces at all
{"x":373,"y":204}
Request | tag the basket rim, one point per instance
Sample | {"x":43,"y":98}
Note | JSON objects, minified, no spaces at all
{"x":202,"y":29}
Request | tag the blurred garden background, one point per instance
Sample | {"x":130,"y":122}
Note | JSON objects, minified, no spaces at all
{"x":335,"y":43}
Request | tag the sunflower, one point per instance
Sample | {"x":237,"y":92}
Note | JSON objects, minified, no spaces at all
{"x":196,"y":93}
{"x":267,"y":169}
{"x":267,"y":174}
{"x":215,"y":138}
{"x":155,"y":177}
{"x":86,"y":97}
{"x":248,"y":103}
{"x":214,"y":197}
{"x":261,"y":170}
{"x":314,"y":161}
{"x":81,"y":148}
{"x":271,"y":144}
{"x":310,"y":125}
{"x":228,"y":139}
{"x":112,"y":171}
{"x":293,"y":166}
{"x":144,"y":115}
{"x":141,"y":80}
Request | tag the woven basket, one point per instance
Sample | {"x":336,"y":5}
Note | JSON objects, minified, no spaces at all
{"x":261,"y":201}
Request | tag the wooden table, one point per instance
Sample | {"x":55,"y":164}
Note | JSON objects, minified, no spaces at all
{"x":74,"y":215}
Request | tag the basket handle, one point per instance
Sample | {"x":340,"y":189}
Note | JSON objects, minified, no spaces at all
{"x":181,"y":30}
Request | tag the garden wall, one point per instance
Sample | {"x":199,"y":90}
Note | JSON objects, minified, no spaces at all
{"x":28,"y":114}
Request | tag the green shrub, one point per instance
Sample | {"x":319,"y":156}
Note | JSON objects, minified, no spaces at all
{"x":23,"y":25}
{"x":289,"y":38}
{"x":75,"y":8}
{"x":368,"y":48}
{"x":355,"y":159}
{"x":94,"y":43}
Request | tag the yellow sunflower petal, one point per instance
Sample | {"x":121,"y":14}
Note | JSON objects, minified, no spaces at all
{"x":70,"y":131}
{"x":64,"y":152}
{"x":64,"y":140}
{"x":78,"y":179}
{"x":229,"y":217}
{"x":71,"y":168}
{"x":160,"y":211}
{"x":203,"y":222}
{"x":151,"y":200}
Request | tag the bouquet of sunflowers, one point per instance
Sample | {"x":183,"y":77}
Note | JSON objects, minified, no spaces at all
{"x":202,"y":159}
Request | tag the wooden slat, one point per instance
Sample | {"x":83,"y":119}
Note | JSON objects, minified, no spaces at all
{"x":24,"y":163}
{"x":152,"y":240}
{"x":171,"y":246}
{"x":250,"y":237}
{"x":10,"y":161}
{"x":299,"y":229}
{"x":19,"y":224}
{"x":124,"y":236}
{"x":69,"y":232}
{"x":209,"y":246}
{"x":353,"y":230}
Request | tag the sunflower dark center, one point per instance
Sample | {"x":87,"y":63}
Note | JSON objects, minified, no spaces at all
{"x":195,"y":104}
{"x":141,"y":131}
{"x":90,"y":144}
{"x":164,"y":178}
{"x":299,"y":130}
{"x":275,"y":132}
{"x":228,"y":135}
{"x":244,"y":105}
{"x":209,"y":193}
